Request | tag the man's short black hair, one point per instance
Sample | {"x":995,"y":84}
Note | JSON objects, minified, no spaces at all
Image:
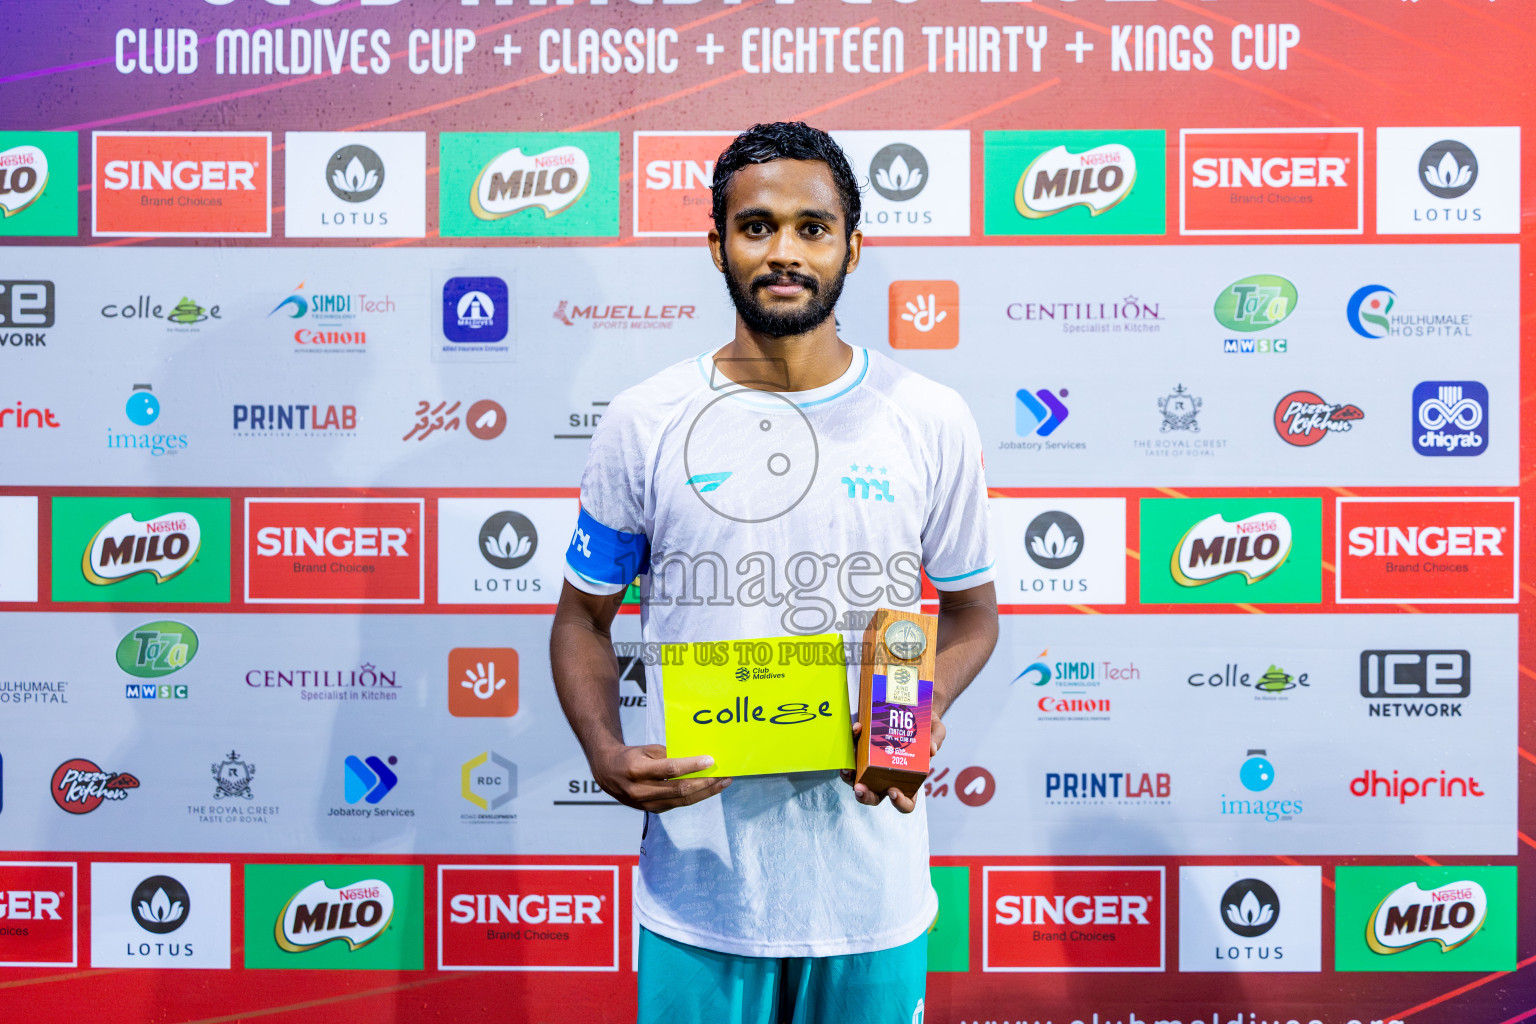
{"x":786,"y":140}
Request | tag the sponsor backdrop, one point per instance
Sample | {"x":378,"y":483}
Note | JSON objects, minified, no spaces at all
{"x":308,"y":310}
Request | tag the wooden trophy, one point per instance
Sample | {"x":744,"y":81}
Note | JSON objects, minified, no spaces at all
{"x":896,"y":700}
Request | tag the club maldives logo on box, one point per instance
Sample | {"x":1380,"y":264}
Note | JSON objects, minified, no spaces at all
{"x":1284,"y":181}
{"x":1229,"y":550}
{"x":1428,"y":551}
{"x":334,"y":551}
{"x":334,"y":917}
{"x":1074,"y":183}
{"x":160,"y":184}
{"x":37,"y":914}
{"x":141,"y":550}
{"x":532,"y":184}
{"x":38,"y":195}
{"x":672,"y":176}
{"x":1067,"y":919}
{"x":1416,"y":918}
{"x":528,"y":918}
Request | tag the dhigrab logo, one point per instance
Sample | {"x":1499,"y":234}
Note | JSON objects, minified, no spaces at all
{"x":1450,"y":417}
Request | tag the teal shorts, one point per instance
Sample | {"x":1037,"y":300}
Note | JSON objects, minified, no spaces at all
{"x":682,"y":984}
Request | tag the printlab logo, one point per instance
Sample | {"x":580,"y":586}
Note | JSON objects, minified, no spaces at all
{"x":79,"y":786}
{"x":1448,"y":169}
{"x":482,"y":682}
{"x":1303,"y":418}
{"x":232,"y":778}
{"x":508,"y":540}
{"x":368,"y":779}
{"x":1450,"y":417}
{"x":924,"y":314}
{"x":38,"y":196}
{"x":1179,"y":409}
{"x":354,"y":174}
{"x":1039,"y":413}
{"x":1054,"y":540}
{"x":160,"y":904}
{"x":1370,"y":310}
{"x":1250,"y":907}
{"x":899,"y":172}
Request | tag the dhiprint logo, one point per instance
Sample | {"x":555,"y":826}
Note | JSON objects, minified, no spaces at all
{"x":1302,"y":418}
{"x":354,"y":174}
{"x":475,"y":309}
{"x":368,"y":779}
{"x":1255,"y":303}
{"x":924,"y":314}
{"x":482,"y":682}
{"x":1448,"y":169}
{"x":1450,"y":417}
{"x":1369,"y":311}
{"x":899,"y":172}
{"x":1039,"y":412}
{"x":508,"y":540}
{"x":1250,"y":908}
{"x":1054,"y":540}
{"x":160,"y":904}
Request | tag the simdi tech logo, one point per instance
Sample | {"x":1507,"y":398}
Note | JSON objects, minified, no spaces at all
{"x":1283,"y":181}
{"x":530,"y":184}
{"x":141,"y":550}
{"x":1231,"y":550}
{"x":334,"y":550}
{"x":334,"y":917}
{"x":1427,"y":551}
{"x":672,"y":176}
{"x":38,"y":193}
{"x":1417,"y":918}
{"x":528,"y":918}
{"x":169,"y":184}
{"x":1074,"y":183}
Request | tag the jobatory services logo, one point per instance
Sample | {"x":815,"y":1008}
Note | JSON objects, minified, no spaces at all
{"x":532,"y":184}
{"x":1303,"y":418}
{"x":1427,"y":550}
{"x":1424,"y":918}
{"x":1288,"y":181}
{"x":924,"y":314}
{"x":334,"y":551}
{"x":297,"y":917}
{"x":38,"y":189}
{"x":1072,"y":919}
{"x":25,"y":306}
{"x":1448,"y":181}
{"x":79,"y":786}
{"x":1060,"y":550}
{"x":157,"y":649}
{"x":528,"y":918}
{"x":482,"y":682}
{"x":160,"y":915}
{"x":1221,"y":550}
{"x":1252,"y":918}
{"x":672,"y":176}
{"x":136,"y":550}
{"x":1074,"y":183}
{"x":1039,"y":413}
{"x":488,"y":782}
{"x":1416,"y":684}
{"x":38,"y":908}
{"x":1450,"y":418}
{"x":169,"y":184}
{"x":919,"y":182}
{"x":368,"y":779}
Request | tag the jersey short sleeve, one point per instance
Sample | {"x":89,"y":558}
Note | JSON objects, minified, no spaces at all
{"x":609,"y":547}
{"x":957,"y":543}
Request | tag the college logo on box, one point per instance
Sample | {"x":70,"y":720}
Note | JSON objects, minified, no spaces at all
{"x":333,"y":917}
{"x":1448,"y":181}
{"x":1424,"y":919}
{"x":919,"y":182}
{"x":1060,"y":550}
{"x":1074,"y":183}
{"x":672,"y":176}
{"x":1427,"y":550}
{"x":924,"y":314}
{"x":1071,"y":919}
{"x":160,"y":184}
{"x":538,"y":184}
{"x":355,"y":185}
{"x":18,"y":548}
{"x":528,"y":918}
{"x":1288,"y":181}
{"x":1250,"y":918}
{"x":334,"y":551}
{"x":1450,"y":417}
{"x":141,"y":549}
{"x":160,"y":915}
{"x":38,"y":193}
{"x":1217,"y":550}
{"x":37,"y":913}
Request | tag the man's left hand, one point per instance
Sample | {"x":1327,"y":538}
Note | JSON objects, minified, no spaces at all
{"x":903,"y":803}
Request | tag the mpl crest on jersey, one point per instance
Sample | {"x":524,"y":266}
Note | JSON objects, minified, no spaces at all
{"x":23,"y":176}
{"x":514,"y":181}
{"x":1057,"y":180}
{"x":1450,"y":915}
{"x":165,"y":546}
{"x":317,"y":914}
{"x":1214,"y":548}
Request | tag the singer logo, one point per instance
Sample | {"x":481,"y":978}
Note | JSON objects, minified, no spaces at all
{"x":528,"y":918}
{"x":37,"y":914}
{"x":1294,"y":181}
{"x":1072,"y":919}
{"x":322,"y":551}
{"x":162,"y":184}
{"x":1428,"y":551}
{"x":672,"y":176}
{"x":355,"y":914}
{"x":164,"y":546}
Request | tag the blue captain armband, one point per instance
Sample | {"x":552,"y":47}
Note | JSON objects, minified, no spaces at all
{"x":605,"y":555}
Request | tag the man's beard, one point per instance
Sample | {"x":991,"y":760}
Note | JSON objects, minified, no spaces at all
{"x":776,"y":324}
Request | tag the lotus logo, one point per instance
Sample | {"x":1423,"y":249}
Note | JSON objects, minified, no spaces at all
{"x":1410,"y":916}
{"x":898,"y":172}
{"x":514,"y":181}
{"x":160,"y":904}
{"x":1213,"y":548}
{"x":354,"y":173}
{"x":1250,"y":907}
{"x":1054,"y":540}
{"x":1369,"y":311}
{"x":1448,"y":169}
{"x":508,"y":540}
{"x":23,"y":176}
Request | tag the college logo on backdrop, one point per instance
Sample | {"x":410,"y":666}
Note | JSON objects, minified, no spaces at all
{"x":162,"y":184}
{"x":1448,"y":181}
{"x":1072,"y":919}
{"x":333,"y":917}
{"x":1424,"y":919}
{"x":672,"y":176}
{"x":1060,"y":550}
{"x":924,"y":314}
{"x":919,"y":182}
{"x":1219,"y":550}
{"x":1450,"y":417}
{"x":38,"y":193}
{"x":1427,"y":550}
{"x":528,"y":918}
{"x":37,"y":914}
{"x":160,"y":915}
{"x":538,"y":184}
{"x":1301,"y":181}
{"x":1074,"y":183}
{"x":355,"y":185}
{"x":1250,"y":918}
{"x":324,"y":551}
{"x":141,"y":549}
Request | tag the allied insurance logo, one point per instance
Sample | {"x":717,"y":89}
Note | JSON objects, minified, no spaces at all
{"x":1072,"y":919}
{"x":542,"y":184}
{"x":1288,"y":181}
{"x":528,"y":918}
{"x":334,"y":551}
{"x":672,"y":176}
{"x":1214,"y":550}
{"x":1074,"y":183}
{"x":168,"y":184}
{"x":1427,"y":551}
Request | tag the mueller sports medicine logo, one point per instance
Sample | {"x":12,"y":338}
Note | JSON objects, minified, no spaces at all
{"x":321,"y":551}
{"x":1448,"y":915}
{"x":79,"y":786}
{"x":169,"y":184}
{"x":1450,"y":417}
{"x":550,"y":181}
{"x":1300,"y":181}
{"x":1056,"y":180}
{"x":356,"y":914}
{"x":531,"y":918}
{"x":1214,"y":548}
{"x":1072,"y":919}
{"x":1415,"y":684}
{"x":164,"y":547}
{"x":646,"y":316}
{"x":1427,"y":550}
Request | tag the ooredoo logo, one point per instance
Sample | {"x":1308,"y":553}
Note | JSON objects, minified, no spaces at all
{"x":672,"y":176}
{"x":1428,"y":551}
{"x":528,"y":918}
{"x":167,"y":184}
{"x":37,"y":914}
{"x":1072,"y":919}
{"x":79,"y":786}
{"x":325,"y":551}
{"x":1294,"y":181}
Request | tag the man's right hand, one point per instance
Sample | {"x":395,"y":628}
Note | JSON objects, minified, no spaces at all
{"x":647,"y":779}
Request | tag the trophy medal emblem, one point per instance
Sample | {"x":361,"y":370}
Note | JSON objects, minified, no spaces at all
{"x":896,"y":700}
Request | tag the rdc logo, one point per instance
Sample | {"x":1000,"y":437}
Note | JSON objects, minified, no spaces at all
{"x":1450,"y":417}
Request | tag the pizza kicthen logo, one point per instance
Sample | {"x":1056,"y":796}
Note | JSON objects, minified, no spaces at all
{"x":1056,"y":180}
{"x":551,"y":181}
{"x":1214,"y":548}
{"x":1302,"y":418}
{"x":79,"y":786}
{"x":355,"y":914}
{"x":164,"y":546}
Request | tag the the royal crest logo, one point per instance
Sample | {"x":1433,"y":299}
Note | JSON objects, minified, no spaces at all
{"x":23,"y":176}
{"x":1213,"y":548}
{"x":514,"y":181}
{"x":232,"y":778}
{"x":1179,"y":409}
{"x":79,"y":786}
{"x":1410,"y":916}
{"x":164,"y":546}
{"x":1056,"y":180}
{"x":355,"y":914}
{"x":1302,"y":418}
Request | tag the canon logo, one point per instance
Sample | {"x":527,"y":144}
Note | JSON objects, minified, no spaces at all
{"x":337,"y":542}
{"x":1433,"y":541}
{"x":1275,"y":172}
{"x":181,"y":175}
{"x":1096,"y":909}
{"x":489,"y":908}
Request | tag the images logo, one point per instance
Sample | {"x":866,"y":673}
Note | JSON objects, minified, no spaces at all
{"x":1369,"y":311}
{"x":162,"y":184}
{"x":1212,"y":550}
{"x":1039,"y":412}
{"x":1257,"y":774}
{"x":1072,"y":919}
{"x":1429,"y":550}
{"x":295,"y":919}
{"x":482,"y":682}
{"x":1448,"y":169}
{"x":1302,"y":418}
{"x":369,"y":779}
{"x":1447,"y":415}
{"x":1255,"y":303}
{"x":1425,"y":919}
{"x":38,"y":196}
{"x":475,"y":309}
{"x":164,"y":547}
{"x":529,"y":183}
{"x":157,"y":649}
{"x":1299,"y":181}
{"x":79,"y":786}
{"x":1061,"y":183}
{"x":508,"y":540}
{"x":323,"y":551}
{"x":924,"y":314}
{"x":514,"y":918}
